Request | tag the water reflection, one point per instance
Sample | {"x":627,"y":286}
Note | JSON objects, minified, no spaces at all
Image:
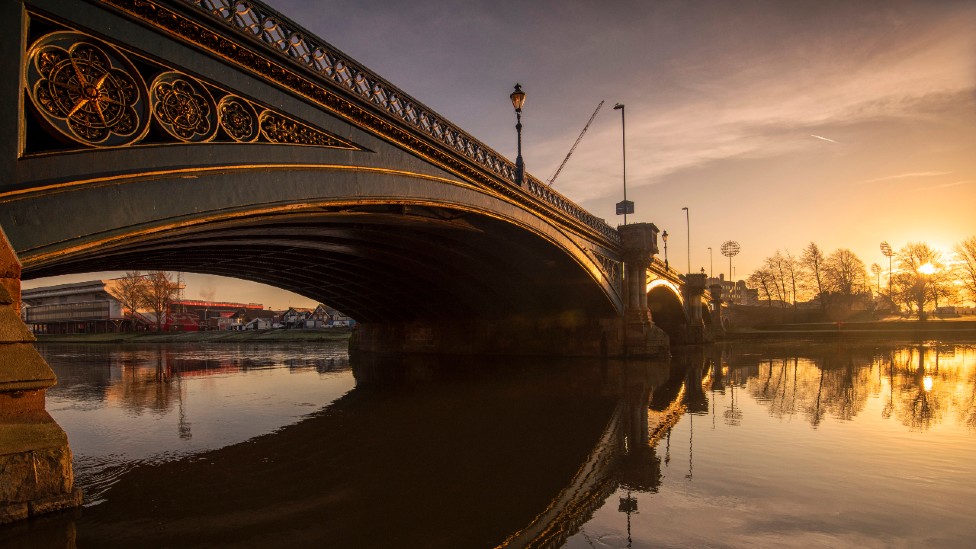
{"x":126,"y":405}
{"x":779,"y":445}
{"x":853,"y":472}
{"x":921,"y":383}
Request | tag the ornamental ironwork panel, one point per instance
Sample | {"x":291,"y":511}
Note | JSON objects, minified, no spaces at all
{"x":238,"y":118}
{"x":183,"y":107}
{"x":86,"y":90}
{"x":92,"y":94}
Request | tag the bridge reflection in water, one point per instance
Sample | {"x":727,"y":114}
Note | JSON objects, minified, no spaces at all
{"x":423,"y":452}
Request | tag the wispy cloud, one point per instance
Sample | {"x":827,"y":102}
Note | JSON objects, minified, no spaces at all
{"x":822,"y":138}
{"x":947,"y":185}
{"x":903,"y":176}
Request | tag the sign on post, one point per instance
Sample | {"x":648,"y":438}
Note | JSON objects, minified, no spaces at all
{"x":625,"y":207}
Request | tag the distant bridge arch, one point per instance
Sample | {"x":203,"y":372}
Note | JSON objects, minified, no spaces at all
{"x":668,"y":310}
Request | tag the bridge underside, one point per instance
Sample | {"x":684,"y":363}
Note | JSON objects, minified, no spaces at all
{"x":377,"y":263}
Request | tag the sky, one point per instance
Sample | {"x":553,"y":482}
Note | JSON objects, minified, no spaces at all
{"x":776,"y":123}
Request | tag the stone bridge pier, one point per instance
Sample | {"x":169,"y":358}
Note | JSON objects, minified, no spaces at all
{"x":718,"y":325}
{"x":641,"y":336}
{"x":35,"y":460}
{"x":694,"y":289}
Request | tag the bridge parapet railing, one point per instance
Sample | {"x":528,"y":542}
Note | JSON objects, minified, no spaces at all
{"x":261,"y":23}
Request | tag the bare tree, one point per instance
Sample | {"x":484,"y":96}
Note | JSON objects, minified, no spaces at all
{"x":775,"y":267}
{"x":129,"y":291}
{"x":159,"y":291}
{"x":918,"y":265}
{"x":966,"y":267}
{"x":812,"y":265}
{"x":791,"y":266}
{"x":845,"y":275}
{"x":763,"y":278}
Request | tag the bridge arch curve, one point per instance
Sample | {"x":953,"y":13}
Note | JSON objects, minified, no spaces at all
{"x":377,"y":243}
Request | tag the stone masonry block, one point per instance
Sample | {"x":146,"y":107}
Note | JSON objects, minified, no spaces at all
{"x":12,"y":329}
{"x":22,"y":368}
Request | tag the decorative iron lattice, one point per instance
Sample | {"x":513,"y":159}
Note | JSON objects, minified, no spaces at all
{"x":260,"y":23}
{"x":278,"y":129}
{"x":611,"y":267}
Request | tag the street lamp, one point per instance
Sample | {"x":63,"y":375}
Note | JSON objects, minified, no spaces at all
{"x":688,"y":227}
{"x":626,"y":206}
{"x":518,"y":99}
{"x":664,"y":237}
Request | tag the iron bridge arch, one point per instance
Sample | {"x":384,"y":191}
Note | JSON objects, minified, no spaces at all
{"x":183,"y":139}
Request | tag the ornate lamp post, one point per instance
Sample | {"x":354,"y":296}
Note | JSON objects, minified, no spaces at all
{"x":664,"y":237}
{"x":518,"y":99}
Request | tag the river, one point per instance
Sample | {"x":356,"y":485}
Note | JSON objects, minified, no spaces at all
{"x":732,"y":445}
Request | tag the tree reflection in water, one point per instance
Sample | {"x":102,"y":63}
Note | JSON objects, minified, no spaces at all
{"x":771,"y":483}
{"x":922,"y":381}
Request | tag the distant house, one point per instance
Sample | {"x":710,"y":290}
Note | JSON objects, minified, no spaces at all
{"x":254,"y":319}
{"x":294,"y":317}
{"x":326,"y":317}
{"x":318,"y":318}
{"x":339,"y":320}
{"x":259,"y":324}
{"x":737,"y":292}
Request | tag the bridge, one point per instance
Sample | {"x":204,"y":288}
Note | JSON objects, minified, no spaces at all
{"x":220,"y":137}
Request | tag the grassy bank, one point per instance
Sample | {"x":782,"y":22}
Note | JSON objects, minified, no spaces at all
{"x":222,"y":336}
{"x":911,"y":329}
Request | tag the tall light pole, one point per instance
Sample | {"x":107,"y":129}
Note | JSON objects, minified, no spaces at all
{"x":688,"y":227}
{"x":876,"y":269}
{"x":626,"y":206}
{"x":711,"y":264}
{"x":887,"y":252}
{"x":518,"y":99}
{"x":730,"y":248}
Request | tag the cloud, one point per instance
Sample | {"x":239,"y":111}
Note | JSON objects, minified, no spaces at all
{"x":947,"y":185}
{"x":903,"y":176}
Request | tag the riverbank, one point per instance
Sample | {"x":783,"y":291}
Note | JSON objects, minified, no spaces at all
{"x":910,"y":329}
{"x":215,"y":336}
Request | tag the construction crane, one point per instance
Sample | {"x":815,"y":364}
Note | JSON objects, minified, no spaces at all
{"x":573,"y":148}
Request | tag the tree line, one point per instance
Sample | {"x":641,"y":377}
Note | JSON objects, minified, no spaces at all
{"x":919,"y":276}
{"x":153,"y":291}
